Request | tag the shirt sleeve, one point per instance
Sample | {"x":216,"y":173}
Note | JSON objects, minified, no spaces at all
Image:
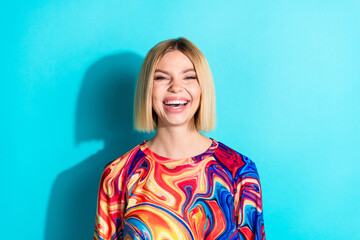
{"x":110,"y":203}
{"x":248,"y":203}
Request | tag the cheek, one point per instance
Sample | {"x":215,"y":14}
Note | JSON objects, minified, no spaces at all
{"x":156,"y":100}
{"x":196,"y":93}
{"x":155,"y":93}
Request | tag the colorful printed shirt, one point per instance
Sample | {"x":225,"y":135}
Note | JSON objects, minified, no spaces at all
{"x":214,"y":195}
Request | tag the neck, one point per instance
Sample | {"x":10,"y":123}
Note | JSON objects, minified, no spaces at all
{"x":178,"y":142}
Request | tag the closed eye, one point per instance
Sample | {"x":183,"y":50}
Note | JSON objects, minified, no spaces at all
{"x":160,"y":78}
{"x":190,"y":77}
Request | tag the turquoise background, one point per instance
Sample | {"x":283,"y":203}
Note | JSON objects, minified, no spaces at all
{"x":287,"y":76}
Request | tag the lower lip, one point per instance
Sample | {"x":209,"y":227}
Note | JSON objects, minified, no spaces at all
{"x":175,"y":110}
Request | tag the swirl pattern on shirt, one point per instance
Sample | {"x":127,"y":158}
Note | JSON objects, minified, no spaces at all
{"x":215,"y":195}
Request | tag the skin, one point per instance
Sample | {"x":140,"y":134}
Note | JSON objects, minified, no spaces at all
{"x":175,"y":77}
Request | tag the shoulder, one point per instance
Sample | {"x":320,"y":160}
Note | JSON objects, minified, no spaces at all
{"x":237,"y":164}
{"x":118,"y":165}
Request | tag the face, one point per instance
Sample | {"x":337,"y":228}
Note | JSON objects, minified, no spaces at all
{"x":176,"y":90}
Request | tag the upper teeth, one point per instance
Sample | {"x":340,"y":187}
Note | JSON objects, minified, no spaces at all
{"x":176,"y":102}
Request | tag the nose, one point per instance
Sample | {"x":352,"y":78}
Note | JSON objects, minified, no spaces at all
{"x":175,"y":85}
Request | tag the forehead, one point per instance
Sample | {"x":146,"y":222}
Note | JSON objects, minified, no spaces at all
{"x":174,"y":60}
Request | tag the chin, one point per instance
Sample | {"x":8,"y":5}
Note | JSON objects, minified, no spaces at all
{"x":176,"y":122}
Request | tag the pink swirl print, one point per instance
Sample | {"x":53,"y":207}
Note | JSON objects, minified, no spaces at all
{"x":215,"y":195}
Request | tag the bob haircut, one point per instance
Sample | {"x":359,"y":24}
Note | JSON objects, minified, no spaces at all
{"x":145,"y":119}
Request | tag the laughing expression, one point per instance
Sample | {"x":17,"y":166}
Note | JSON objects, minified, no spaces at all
{"x":176,"y":90}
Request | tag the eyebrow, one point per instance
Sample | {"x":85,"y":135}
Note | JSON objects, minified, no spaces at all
{"x":188,"y":70}
{"x":162,"y":71}
{"x":165,"y":72}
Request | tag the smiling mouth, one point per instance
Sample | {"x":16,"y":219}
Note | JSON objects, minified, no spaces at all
{"x":176,"y":103}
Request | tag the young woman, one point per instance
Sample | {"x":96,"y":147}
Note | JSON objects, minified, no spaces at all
{"x":180,"y":184}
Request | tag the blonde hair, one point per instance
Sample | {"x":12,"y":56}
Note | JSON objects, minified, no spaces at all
{"x":145,"y":119}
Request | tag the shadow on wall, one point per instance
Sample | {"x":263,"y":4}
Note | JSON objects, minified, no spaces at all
{"x":104,"y":112}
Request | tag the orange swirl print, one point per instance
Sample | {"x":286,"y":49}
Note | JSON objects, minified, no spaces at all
{"x":215,"y":195}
